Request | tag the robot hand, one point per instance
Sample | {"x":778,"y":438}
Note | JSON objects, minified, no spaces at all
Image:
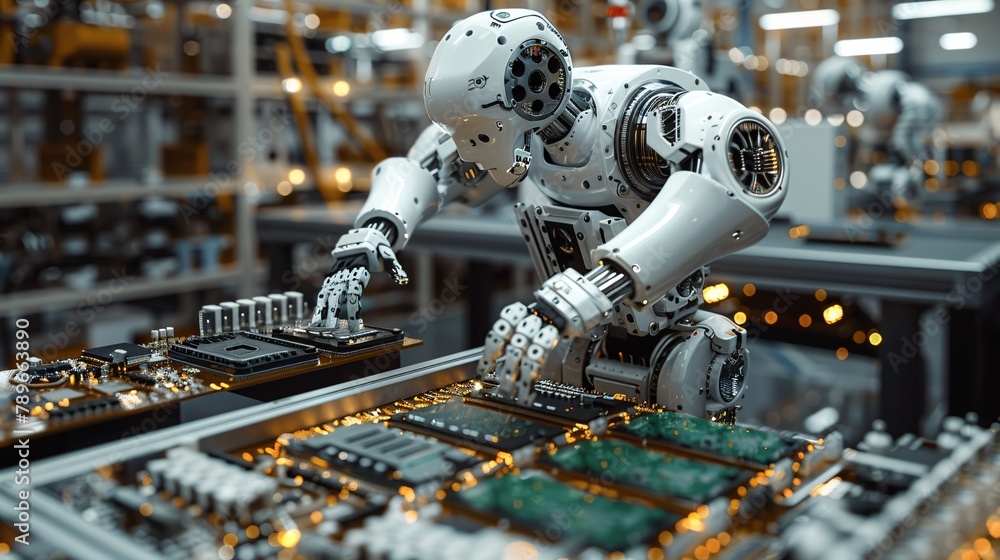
{"x":568,"y":305}
{"x":358,"y":253}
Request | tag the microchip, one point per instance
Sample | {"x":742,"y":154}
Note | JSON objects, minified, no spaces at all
{"x":740,"y":444}
{"x":341,"y":341}
{"x":532,"y":502}
{"x":57,"y":395}
{"x":112,"y":387}
{"x":90,"y":407}
{"x":43,"y":373}
{"x":644,"y":472}
{"x":384,"y":456}
{"x":134,"y":353}
{"x":476,"y":428}
{"x":555,"y":402}
{"x":242,"y":354}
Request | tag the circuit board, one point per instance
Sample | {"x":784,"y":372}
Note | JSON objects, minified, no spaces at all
{"x":426,"y":477}
{"x":443,"y":468}
{"x":732,"y":443}
{"x":531,"y":499}
{"x":476,"y":427}
{"x":129,"y":388}
{"x":640,"y":472}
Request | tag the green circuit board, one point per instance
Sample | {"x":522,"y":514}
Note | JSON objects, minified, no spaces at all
{"x":533,"y":500}
{"x":697,"y":434}
{"x":646,"y":472}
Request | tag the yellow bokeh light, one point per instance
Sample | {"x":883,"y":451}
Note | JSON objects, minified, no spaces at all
{"x":289,"y":538}
{"x":291,"y":85}
{"x":842,"y":353}
{"x":951,"y":168}
{"x":284,"y":188}
{"x":820,"y":294}
{"x":993,"y":526}
{"x":715,"y":293}
{"x":805,"y":321}
{"x":341,"y":88}
{"x":665,"y":538}
{"x":749,"y":290}
{"x":833,"y":314}
{"x":932,"y":184}
{"x":770,"y":317}
{"x":989,"y":211}
{"x":931,"y":167}
{"x":970,"y":168}
{"x":799,"y":231}
{"x":297,"y":176}
{"x":739,"y":317}
{"x":230,"y":540}
{"x":342,"y":175}
{"x":875,"y":339}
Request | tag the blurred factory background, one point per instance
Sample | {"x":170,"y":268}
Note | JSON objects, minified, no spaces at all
{"x":159,"y":155}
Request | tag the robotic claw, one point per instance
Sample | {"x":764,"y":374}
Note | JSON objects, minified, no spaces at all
{"x":650,"y":176}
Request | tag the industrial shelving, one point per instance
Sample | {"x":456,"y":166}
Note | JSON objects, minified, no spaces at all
{"x":248,"y":92}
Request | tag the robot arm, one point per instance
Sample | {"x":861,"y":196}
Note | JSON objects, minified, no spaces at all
{"x":695,"y":218}
{"x":919,"y":114}
{"x":405,"y":192}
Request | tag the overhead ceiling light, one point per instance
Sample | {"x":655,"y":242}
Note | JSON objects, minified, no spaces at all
{"x":940,"y":8}
{"x":863,"y":47}
{"x":958,"y":41}
{"x":796,"y":20}
{"x":396,"y":39}
{"x":339,"y":44}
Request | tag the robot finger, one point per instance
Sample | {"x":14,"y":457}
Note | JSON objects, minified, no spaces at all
{"x":319,"y":314}
{"x":535,"y":356}
{"x":496,"y":340}
{"x":350,"y":308}
{"x":392,"y":265}
{"x":512,"y":382}
{"x":333,"y":302}
{"x":529,"y":326}
{"x":509,"y":370}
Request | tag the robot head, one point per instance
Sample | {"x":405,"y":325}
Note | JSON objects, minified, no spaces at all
{"x":836,"y":84}
{"x":495,"y":78}
{"x":676,"y":19}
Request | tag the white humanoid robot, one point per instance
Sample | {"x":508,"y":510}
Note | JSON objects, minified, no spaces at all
{"x":900,"y":115}
{"x":676,"y":36}
{"x":649,"y":176}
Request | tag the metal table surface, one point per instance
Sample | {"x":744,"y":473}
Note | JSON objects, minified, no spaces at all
{"x":955,"y":268}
